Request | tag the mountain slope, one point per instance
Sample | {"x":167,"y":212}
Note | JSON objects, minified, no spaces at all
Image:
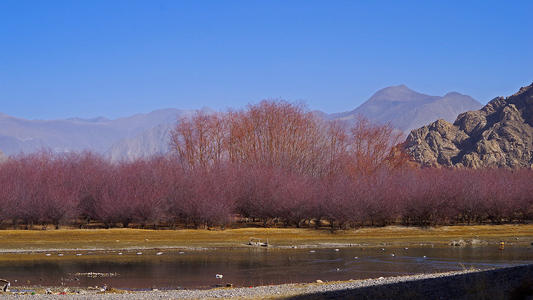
{"x":3,"y":157}
{"x":498,"y":135}
{"x":99,"y":134}
{"x":20,"y":135}
{"x":406,"y":109}
{"x":153,"y":141}
{"x":143,"y":135}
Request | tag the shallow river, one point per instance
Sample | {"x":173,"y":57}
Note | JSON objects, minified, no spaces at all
{"x":248,"y":267}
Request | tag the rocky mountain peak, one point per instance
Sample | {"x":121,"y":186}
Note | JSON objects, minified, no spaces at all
{"x":453,"y":94}
{"x":498,"y":135}
{"x":406,"y":109}
{"x":399,"y":93}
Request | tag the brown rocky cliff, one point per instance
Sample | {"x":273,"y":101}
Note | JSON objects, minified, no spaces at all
{"x":498,"y":135}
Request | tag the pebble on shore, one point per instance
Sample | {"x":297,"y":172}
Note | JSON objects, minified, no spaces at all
{"x":282,"y":290}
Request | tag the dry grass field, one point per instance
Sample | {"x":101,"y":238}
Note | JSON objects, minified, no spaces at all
{"x":113,"y":239}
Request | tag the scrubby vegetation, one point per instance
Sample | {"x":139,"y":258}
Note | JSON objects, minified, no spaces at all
{"x":272,"y":164}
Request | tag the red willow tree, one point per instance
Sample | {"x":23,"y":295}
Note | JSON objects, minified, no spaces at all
{"x":277,"y":134}
{"x":272,"y":162}
{"x":39,"y":188}
{"x":281,"y":148}
{"x":200,"y":141}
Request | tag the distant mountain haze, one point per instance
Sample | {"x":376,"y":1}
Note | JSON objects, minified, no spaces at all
{"x":150,"y":142}
{"x":406,"y":109}
{"x":143,"y":135}
{"x":99,"y":134}
{"x":3,"y":157}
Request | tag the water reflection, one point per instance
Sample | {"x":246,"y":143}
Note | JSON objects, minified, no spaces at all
{"x":250,"y":267}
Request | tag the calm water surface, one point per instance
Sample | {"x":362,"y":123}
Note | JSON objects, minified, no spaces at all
{"x":250,"y":267}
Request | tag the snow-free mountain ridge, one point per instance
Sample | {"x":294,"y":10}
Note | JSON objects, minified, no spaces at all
{"x":143,"y":135}
{"x":98,"y":135}
{"x":406,"y":109}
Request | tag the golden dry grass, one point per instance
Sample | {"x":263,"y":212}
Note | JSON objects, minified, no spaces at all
{"x":110,"y":239}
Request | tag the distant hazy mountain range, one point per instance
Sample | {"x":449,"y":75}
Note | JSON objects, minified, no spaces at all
{"x":2,"y":156}
{"x":406,"y":109}
{"x":143,"y":135}
{"x":114,"y":138}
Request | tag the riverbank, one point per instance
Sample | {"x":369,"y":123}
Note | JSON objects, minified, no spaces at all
{"x":13,"y":242}
{"x":502,"y":283}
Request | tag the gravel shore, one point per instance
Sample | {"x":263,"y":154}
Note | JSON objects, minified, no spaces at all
{"x":327,"y":290}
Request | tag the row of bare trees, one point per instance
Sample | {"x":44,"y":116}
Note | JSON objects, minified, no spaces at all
{"x":272,"y":164}
{"x":81,"y":189}
{"x":277,"y":134}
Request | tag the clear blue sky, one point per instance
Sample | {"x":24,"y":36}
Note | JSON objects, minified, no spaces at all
{"x":114,"y":58}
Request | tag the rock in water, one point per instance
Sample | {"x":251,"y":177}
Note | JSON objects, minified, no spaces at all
{"x":498,"y":135}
